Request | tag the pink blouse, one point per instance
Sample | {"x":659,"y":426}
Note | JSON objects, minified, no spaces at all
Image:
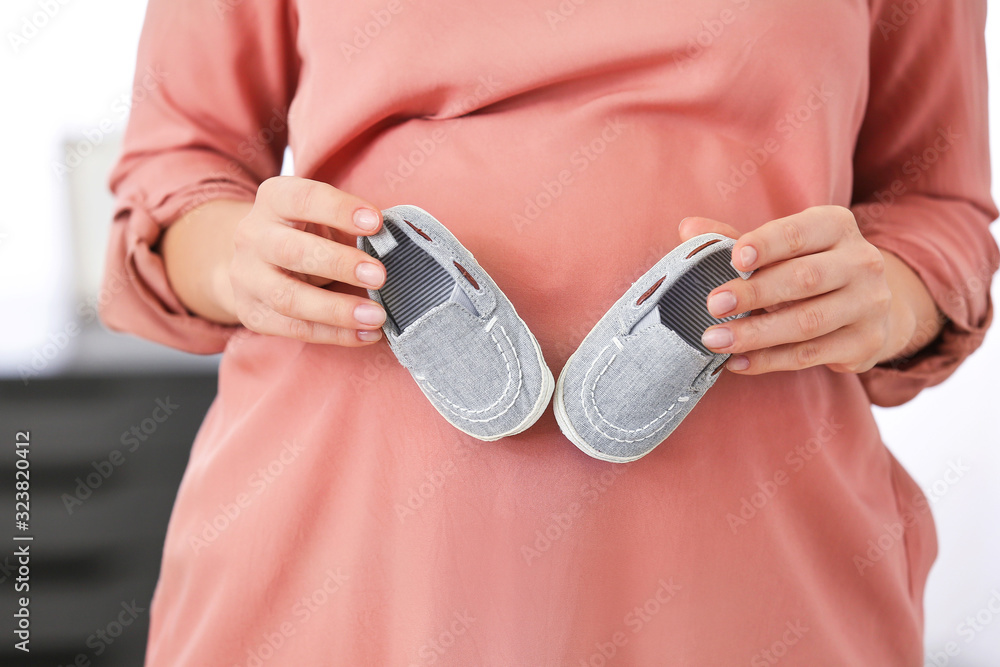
{"x":329,"y":516}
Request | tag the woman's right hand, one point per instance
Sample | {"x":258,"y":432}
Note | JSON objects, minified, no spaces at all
{"x":295,"y":243}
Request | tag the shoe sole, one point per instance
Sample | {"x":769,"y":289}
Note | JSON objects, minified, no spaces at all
{"x":548,"y":386}
{"x":548,"y":381}
{"x":567,"y":427}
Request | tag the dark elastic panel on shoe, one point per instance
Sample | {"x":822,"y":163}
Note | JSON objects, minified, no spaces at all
{"x":682,"y":306}
{"x":414,"y":282}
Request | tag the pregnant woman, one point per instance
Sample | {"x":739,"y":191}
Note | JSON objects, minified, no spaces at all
{"x":329,"y":515}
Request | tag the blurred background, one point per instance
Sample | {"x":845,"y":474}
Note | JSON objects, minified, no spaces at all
{"x":66,"y":70}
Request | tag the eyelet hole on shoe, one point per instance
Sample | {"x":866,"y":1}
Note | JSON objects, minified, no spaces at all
{"x":648,"y":293}
{"x":708,"y":374}
{"x":465,"y":274}
{"x":418,"y":230}
{"x":699,"y":248}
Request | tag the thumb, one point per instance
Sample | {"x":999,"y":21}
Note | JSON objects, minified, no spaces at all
{"x":695,"y":226}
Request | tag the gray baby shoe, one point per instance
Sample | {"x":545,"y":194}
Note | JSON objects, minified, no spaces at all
{"x":450,"y":325}
{"x":643,"y":368}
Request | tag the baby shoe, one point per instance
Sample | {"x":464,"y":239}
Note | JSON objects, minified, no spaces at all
{"x":450,"y":325}
{"x":642,"y":368}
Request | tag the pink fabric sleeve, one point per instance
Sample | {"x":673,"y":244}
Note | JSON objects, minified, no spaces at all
{"x":208,"y":121}
{"x":922,"y":176}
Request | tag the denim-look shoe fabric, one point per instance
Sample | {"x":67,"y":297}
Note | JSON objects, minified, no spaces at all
{"x":450,"y":325}
{"x":643,"y":368}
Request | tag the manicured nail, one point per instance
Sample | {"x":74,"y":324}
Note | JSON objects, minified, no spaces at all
{"x":721,"y":303}
{"x":369,"y":274}
{"x":748,"y":255}
{"x":369,"y":313}
{"x":366,"y":219}
{"x":738,"y":363}
{"x":717,"y":338}
{"x":369,"y":336}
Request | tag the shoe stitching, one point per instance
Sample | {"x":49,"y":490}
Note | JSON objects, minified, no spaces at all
{"x":418,"y":230}
{"x":648,"y":293}
{"x":466,"y":275}
{"x":453,"y":407}
{"x":593,"y":402}
{"x":702,"y":247}
{"x":479,"y":294}
{"x":480,"y":298}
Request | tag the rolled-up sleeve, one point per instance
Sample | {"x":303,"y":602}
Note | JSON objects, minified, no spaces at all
{"x":922,"y":177}
{"x":209,"y":120}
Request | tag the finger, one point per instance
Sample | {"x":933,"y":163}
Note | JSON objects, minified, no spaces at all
{"x":771,"y":286}
{"x":302,"y":301}
{"x":815,"y":229}
{"x":695,"y":226}
{"x":833,"y":349}
{"x":313,"y":255}
{"x":804,"y":321}
{"x":302,"y":200}
{"x":780,"y":306}
{"x":275,"y":324}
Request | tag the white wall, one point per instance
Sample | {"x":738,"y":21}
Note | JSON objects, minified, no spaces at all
{"x":73,"y":75}
{"x":949,"y":439}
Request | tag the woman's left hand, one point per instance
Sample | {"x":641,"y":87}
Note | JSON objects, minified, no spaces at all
{"x":828,"y":296}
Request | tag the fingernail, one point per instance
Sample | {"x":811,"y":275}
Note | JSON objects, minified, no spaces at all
{"x":366,"y":219}
{"x":717,"y":338}
{"x":369,"y":336}
{"x":369,"y":313}
{"x":748,"y":255}
{"x":369,"y":274}
{"x":721,"y":303}
{"x":738,"y":363}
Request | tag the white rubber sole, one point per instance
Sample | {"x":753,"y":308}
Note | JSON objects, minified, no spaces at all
{"x":548,"y":386}
{"x":548,"y":382}
{"x":559,"y":408}
{"x":542,"y":402}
